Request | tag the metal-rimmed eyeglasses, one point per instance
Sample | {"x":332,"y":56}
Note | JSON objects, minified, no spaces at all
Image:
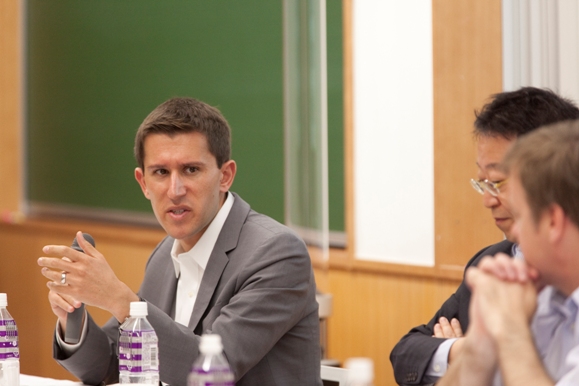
{"x":492,"y":187}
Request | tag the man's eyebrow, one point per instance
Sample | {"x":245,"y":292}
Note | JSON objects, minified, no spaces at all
{"x":194,"y":163}
{"x":184,"y":165}
{"x":155,"y":166}
{"x":493,"y":166}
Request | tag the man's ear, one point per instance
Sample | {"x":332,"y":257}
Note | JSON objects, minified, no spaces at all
{"x":557,"y":222}
{"x":140,"y":177}
{"x":228,"y":170}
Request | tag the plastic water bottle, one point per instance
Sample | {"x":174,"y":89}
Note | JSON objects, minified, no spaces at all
{"x":360,"y":371}
{"x":138,"y":349}
{"x":211,"y":367}
{"x":9,"y":352}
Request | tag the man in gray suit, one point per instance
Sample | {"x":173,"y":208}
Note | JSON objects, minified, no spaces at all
{"x":223,"y":268}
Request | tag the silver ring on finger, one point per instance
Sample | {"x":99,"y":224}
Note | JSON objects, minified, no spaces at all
{"x":63,"y":278}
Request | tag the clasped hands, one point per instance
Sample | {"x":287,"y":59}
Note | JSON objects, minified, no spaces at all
{"x":503,"y":300}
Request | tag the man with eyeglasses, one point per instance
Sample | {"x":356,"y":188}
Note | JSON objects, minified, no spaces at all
{"x":524,"y":326}
{"x":422,"y":356}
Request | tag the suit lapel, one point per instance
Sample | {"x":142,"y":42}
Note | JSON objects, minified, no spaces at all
{"x":167,"y":287}
{"x":218,"y":260}
{"x":215,"y":267}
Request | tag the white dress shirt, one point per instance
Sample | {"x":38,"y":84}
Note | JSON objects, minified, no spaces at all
{"x":190,"y":265}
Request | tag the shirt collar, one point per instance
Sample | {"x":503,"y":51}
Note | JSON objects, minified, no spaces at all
{"x":517,"y":253}
{"x":201,"y":251}
{"x":550,"y":300}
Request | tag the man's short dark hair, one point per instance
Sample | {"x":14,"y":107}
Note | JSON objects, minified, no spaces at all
{"x":186,"y":115}
{"x":514,"y":113}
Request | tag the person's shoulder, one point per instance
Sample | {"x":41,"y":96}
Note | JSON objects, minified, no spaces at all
{"x":260,"y":222}
{"x":504,"y":246}
{"x":264,"y":241}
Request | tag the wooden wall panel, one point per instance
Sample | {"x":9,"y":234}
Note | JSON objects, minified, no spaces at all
{"x":372,"y":311}
{"x":10,"y":106}
{"x":467,"y":70}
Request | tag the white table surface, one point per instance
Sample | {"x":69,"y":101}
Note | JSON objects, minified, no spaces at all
{"x":32,"y":380}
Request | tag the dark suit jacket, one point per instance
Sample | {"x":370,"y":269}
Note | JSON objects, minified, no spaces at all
{"x":257,"y":292}
{"x":411,"y":356}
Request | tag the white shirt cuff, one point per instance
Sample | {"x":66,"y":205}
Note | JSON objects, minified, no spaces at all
{"x":439,"y":361}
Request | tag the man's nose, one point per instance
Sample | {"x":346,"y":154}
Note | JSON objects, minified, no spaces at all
{"x":490,"y":201}
{"x":177,"y":187}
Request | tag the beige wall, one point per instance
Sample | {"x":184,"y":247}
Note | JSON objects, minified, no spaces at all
{"x":375,"y":303}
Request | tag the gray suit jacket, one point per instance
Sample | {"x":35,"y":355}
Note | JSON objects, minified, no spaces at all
{"x":258,"y":293}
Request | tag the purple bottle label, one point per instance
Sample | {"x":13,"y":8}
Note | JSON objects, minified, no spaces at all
{"x":8,"y":339}
{"x":213,"y":377}
{"x":138,"y":351}
{"x":9,"y":355}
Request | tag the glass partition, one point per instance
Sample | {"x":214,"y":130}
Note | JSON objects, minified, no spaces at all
{"x":305,"y":122}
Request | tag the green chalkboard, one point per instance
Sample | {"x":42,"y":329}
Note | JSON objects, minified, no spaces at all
{"x":95,"y":69}
{"x":335,"y":114}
